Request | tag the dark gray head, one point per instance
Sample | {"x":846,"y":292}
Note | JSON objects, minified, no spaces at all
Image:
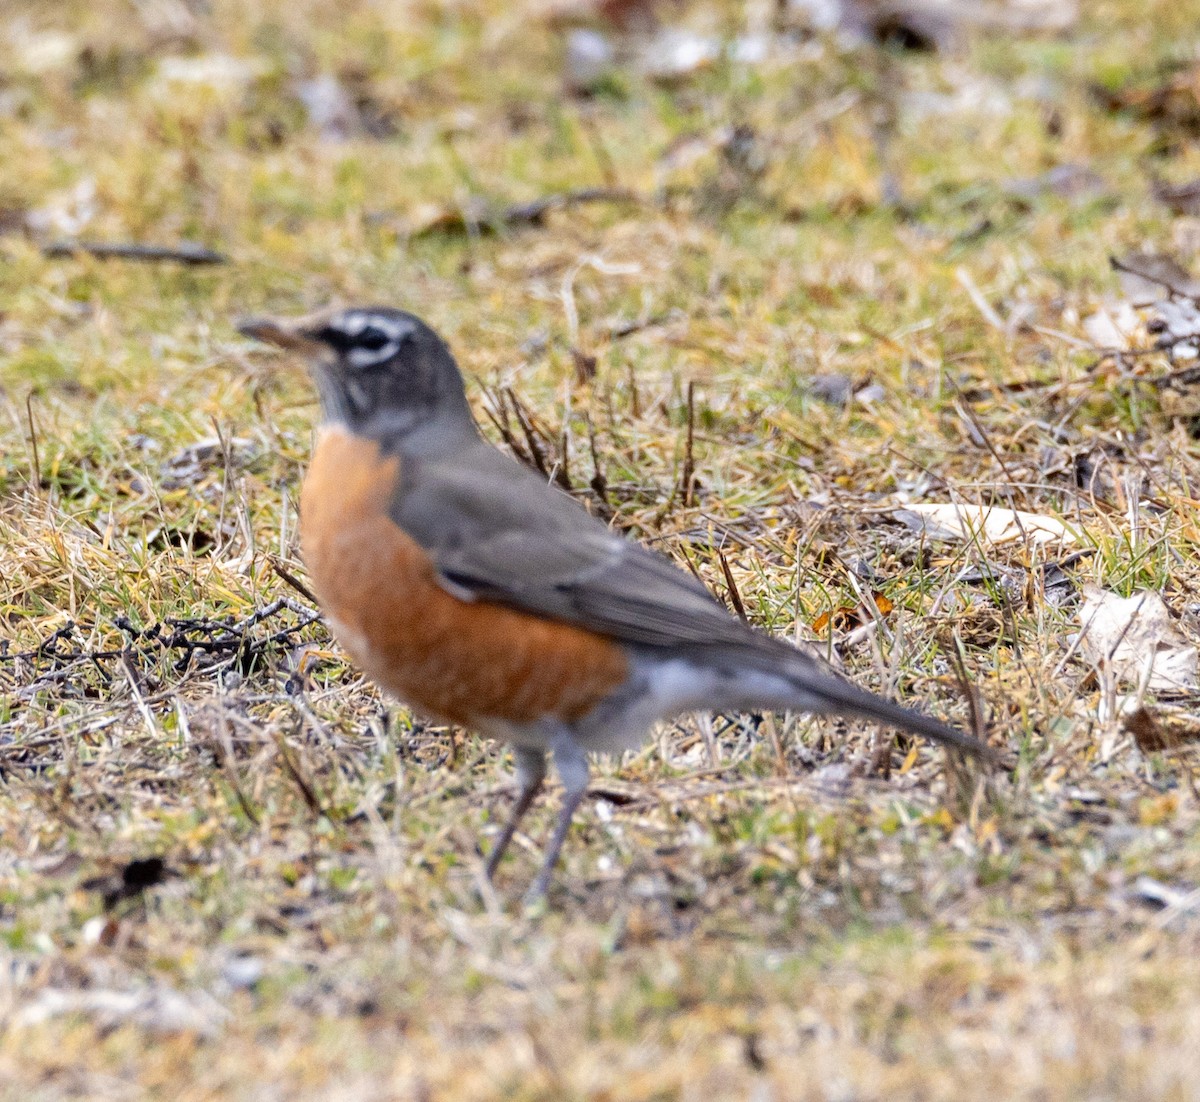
{"x":381,"y":372}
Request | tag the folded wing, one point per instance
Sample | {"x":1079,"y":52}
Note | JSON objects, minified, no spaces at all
{"x":520,"y":543}
{"x":493,"y":536}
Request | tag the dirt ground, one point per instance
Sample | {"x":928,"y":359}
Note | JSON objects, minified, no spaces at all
{"x":793,"y":292}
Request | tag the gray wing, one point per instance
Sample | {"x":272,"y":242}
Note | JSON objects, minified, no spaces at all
{"x":496,"y":530}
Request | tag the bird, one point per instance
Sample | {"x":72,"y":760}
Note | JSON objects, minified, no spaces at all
{"x":479,"y":595}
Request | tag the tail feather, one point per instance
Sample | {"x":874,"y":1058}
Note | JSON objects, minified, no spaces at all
{"x":827,"y":693}
{"x":816,"y":687}
{"x":761,"y":672}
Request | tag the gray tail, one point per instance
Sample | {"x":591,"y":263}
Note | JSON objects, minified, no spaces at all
{"x":822,"y":691}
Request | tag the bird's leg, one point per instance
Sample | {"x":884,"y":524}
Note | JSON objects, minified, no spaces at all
{"x":531,"y":772}
{"x":572,"y":765}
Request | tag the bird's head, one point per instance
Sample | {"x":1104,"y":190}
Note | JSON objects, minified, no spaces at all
{"x":379,"y":371}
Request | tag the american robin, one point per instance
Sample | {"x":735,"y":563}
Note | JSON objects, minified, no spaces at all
{"x":470,"y":589}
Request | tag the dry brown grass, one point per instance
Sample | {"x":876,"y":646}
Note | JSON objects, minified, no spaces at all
{"x":756,"y":915}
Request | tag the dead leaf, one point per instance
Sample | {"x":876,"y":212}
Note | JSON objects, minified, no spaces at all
{"x":627,"y":16}
{"x":476,"y":215}
{"x":1150,"y":890}
{"x":1069,"y":181}
{"x":589,"y":61}
{"x":1177,"y":323}
{"x":1159,"y":729}
{"x":155,"y":1007}
{"x":585,"y":366}
{"x":1147,"y":276}
{"x":1130,"y":634}
{"x":101,"y":930}
{"x":330,"y":108}
{"x":921,"y":25}
{"x":675,"y":54}
{"x":1113,"y":327}
{"x":850,"y":616}
{"x":1179,"y":392}
{"x":832,"y":387}
{"x":930,"y":24}
{"x":1173,"y":104}
{"x":952,"y":522}
{"x":132,"y":879}
{"x":189,"y":466}
{"x":219,"y":73}
{"x":1178,"y":198}
{"x":426,"y":219}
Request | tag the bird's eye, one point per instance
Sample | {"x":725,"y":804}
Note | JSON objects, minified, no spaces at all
{"x":372,"y":339}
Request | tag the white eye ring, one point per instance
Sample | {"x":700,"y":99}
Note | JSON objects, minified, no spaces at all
{"x":355,"y":321}
{"x":352,"y":323}
{"x":366,"y":357}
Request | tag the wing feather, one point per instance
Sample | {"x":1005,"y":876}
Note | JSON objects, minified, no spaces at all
{"x":498,"y":532}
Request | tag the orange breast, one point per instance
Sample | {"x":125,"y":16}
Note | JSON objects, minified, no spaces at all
{"x":461,"y":661}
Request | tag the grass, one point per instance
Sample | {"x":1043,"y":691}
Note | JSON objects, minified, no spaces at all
{"x":752,"y":913}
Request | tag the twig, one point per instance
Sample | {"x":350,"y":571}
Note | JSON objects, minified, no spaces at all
{"x":735,"y":597}
{"x":184,"y":252}
{"x":599,"y":483}
{"x":984,"y":307}
{"x":535,"y":449}
{"x":36,"y":481}
{"x":558,"y":474}
{"x":221,"y":641}
{"x":224,"y":746}
{"x":289,"y":578}
{"x":689,"y":464}
{"x":479,"y":217}
{"x":138,"y":699}
{"x":1191,"y":290}
{"x":311,"y":799}
{"x":619,"y":330}
{"x":965,"y":409}
{"x":534,"y":212}
{"x":499,"y":418}
{"x":958,"y":660}
{"x":599,"y":150}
